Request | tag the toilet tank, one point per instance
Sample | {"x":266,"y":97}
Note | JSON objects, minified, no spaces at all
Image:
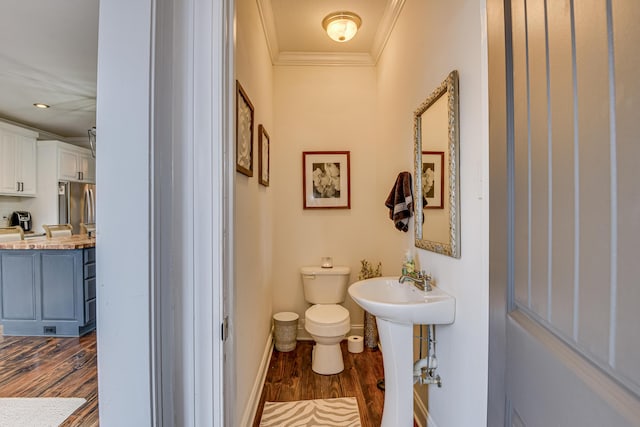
{"x":325,"y":285}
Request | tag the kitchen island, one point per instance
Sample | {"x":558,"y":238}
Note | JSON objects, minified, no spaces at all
{"x":48,"y":286}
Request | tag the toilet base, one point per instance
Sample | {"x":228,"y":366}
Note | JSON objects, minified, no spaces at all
{"x":326,"y":359}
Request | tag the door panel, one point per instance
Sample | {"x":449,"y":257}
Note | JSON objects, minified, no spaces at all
{"x":594,"y":190}
{"x":18,"y":284}
{"x":59,"y":290}
{"x":568,"y":194}
{"x":626,"y":16}
{"x":566,"y":389}
{"x":538,"y":161}
{"x":8,"y":153}
{"x":521,"y":152}
{"x":563,"y":166}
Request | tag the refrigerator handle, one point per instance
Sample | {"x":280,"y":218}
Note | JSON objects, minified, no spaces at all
{"x":92,"y":207}
{"x":86,"y":207}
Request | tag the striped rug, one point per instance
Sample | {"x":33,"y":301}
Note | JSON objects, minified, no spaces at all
{"x":340,"y":412}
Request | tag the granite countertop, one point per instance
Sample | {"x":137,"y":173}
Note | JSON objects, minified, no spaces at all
{"x":77,"y":241}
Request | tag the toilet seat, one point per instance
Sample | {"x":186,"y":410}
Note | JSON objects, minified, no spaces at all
{"x":327,"y":320}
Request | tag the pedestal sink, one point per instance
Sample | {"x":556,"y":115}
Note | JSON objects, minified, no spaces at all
{"x":397,"y":307}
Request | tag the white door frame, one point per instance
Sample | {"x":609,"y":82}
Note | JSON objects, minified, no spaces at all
{"x":165,"y":131}
{"x":200,"y":147}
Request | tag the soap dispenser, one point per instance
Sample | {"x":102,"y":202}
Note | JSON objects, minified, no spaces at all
{"x":409,"y":265}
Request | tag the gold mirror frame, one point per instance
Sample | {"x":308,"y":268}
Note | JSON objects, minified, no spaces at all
{"x":449,"y":87}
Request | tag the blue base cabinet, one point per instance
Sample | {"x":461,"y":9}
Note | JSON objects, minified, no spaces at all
{"x":48,"y":292}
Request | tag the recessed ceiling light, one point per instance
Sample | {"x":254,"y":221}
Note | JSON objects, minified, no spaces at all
{"x":341,"y":26}
{"x":41,"y":105}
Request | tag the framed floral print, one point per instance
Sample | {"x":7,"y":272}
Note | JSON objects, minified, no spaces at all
{"x":325,"y":180}
{"x":244,"y":132}
{"x":432,"y":179}
{"x":263,"y":159}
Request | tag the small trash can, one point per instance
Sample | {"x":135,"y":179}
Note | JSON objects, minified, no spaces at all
{"x":285,"y":325}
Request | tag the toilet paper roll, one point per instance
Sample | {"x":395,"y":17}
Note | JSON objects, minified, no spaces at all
{"x":355,"y":344}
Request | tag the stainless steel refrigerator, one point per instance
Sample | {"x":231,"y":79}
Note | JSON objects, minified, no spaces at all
{"x":76,"y":204}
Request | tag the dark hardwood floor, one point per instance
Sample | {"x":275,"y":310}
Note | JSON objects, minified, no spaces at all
{"x":52,"y":367}
{"x":290,"y":378}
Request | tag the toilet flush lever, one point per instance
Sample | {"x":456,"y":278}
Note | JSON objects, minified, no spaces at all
{"x":309,"y":276}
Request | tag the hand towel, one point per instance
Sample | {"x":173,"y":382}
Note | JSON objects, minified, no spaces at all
{"x":400,"y":201}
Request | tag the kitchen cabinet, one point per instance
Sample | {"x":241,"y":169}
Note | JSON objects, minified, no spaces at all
{"x":58,"y":161}
{"x":87,"y":167}
{"x":75,"y":164}
{"x":19,"y":278}
{"x":17,"y":161}
{"x":48,"y":292}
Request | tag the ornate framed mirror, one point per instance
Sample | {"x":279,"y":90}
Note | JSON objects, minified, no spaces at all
{"x":437,"y":184}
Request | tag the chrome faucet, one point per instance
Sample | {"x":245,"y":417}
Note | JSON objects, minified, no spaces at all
{"x":420,"y":280}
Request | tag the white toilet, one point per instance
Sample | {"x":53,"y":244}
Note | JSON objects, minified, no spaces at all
{"x":326,"y":321}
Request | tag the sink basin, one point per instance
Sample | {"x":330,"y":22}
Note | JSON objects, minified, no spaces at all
{"x":387,"y":298}
{"x":397,"y":307}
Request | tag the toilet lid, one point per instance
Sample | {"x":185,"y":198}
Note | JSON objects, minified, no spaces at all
{"x":327,"y":314}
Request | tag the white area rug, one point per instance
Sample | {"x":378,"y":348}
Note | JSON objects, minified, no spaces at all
{"x":340,"y":412}
{"x":37,"y":412}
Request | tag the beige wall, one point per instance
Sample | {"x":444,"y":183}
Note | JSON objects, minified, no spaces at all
{"x":331,"y":109}
{"x":253,"y":213}
{"x":430,"y":39}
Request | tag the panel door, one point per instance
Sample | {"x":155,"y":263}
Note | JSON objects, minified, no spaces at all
{"x":571,"y":331}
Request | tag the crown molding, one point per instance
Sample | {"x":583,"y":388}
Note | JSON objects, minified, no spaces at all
{"x":41,"y":134}
{"x":387,"y":22}
{"x":324,"y":58}
{"x":269,"y":27}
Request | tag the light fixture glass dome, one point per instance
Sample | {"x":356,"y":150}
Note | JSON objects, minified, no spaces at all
{"x":341,"y":26}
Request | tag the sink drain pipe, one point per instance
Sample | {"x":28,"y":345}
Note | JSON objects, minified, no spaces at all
{"x":424,"y":368}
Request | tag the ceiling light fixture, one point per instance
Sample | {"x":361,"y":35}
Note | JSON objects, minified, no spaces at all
{"x":41,"y":105}
{"x":341,"y":26}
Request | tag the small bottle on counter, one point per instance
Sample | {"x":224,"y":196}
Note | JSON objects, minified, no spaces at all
{"x":409,"y":265}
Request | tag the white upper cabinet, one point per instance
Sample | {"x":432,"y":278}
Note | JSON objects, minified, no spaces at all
{"x":26,"y":165}
{"x":68,"y":165}
{"x":88,"y":167}
{"x":8,"y":183}
{"x":75,"y":164}
{"x":17,"y":161}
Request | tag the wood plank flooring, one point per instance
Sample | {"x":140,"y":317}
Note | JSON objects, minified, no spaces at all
{"x":290,"y":378}
{"x":52,"y":367}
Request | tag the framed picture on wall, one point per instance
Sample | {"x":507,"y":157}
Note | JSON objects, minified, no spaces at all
{"x":432,"y":179}
{"x":263,"y":162}
{"x":325,"y":180}
{"x":244,"y":132}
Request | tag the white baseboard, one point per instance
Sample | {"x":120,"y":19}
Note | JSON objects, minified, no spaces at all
{"x":254,"y":398}
{"x":420,"y":413}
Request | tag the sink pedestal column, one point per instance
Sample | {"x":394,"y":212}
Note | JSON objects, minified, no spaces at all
{"x":397,"y":352}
